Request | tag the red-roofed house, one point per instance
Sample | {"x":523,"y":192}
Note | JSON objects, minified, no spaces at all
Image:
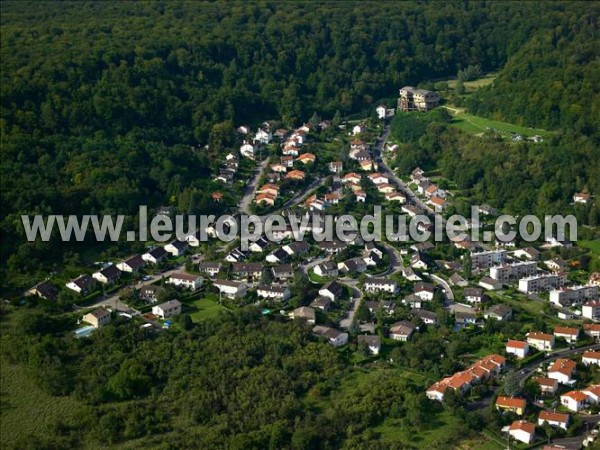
{"x":573,"y":400}
{"x":517,"y":348}
{"x":562,"y":370}
{"x":590,"y":357}
{"x":512,"y":404}
{"x":553,"y":419}
{"x":523,"y":431}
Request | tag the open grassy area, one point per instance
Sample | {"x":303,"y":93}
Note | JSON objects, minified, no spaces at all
{"x":477,"y":125}
{"x":26,"y":410}
{"x":594,"y":247}
{"x":472,"y":86}
{"x":206,"y":308}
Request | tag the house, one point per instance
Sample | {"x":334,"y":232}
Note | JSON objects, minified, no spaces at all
{"x":553,"y":419}
{"x":354,"y":265}
{"x":522,"y":431}
{"x":97,"y":318}
{"x":306,"y":158}
{"x":321,"y":303}
{"x":270,"y":189}
{"x":592,"y":330}
{"x":373,"y":343}
{"x":351,"y":177}
{"x":332,"y":198}
{"x":296,"y":248}
{"x":290,"y":150}
{"x":297,"y":175}
{"x":131,"y":264}
{"x":490,"y":284}
{"x":374,"y":307}
{"x":594,"y":279}
{"x":529,"y":253}
{"x":381,"y":112}
{"x":517,"y":348}
{"x":573,"y":400}
{"x":149,"y":293}
{"x":304,"y":313}
{"x":263,"y":136}
{"x":413,"y":301}
{"x":395,"y":197}
{"x":247,"y":270}
{"x":593,"y":394}
{"x":371,"y":247}
{"x":278,"y":168}
{"x":335,"y":166}
{"x":473,"y":295}
{"x":380,"y":285}
{"x":231,"y":289}
{"x":424,"y":291}
{"x":367,"y":165}
{"x":377,"y":178}
{"x":562,"y":370}
{"x":590,"y":357}
{"x":591,"y":310}
{"x":45,"y":290}
{"x":332,"y":247}
{"x":428,"y":317}
{"x":332,"y":290}
{"x":176,"y":248}
{"x":418,"y":262}
{"x":401,"y":331}
{"x":487,"y":210}
{"x":287,"y":161}
{"x":357,"y":129}
{"x":547,"y":385}
{"x":498,"y":312}
{"x":540,"y":341}
{"x":283,"y":272}
{"x":326,"y":269}
{"x":168,"y":309}
{"x":278,"y":255}
{"x":511,"y":272}
{"x":108,"y":275}
{"x":235,"y":255}
{"x":582,"y":198}
{"x":457,"y":280}
{"x":568,"y":333}
{"x":243,"y":129}
{"x":185,"y":280}
{"x":513,"y":404}
{"x":335,"y":337}
{"x":265,"y":199}
{"x":155,"y":255}
{"x":411,"y":99}
{"x":274,"y":292}
{"x":248,"y":150}
{"x":386,"y":188}
{"x":209,"y":268}
{"x":556,"y":264}
{"x":361,"y":196}
{"x":417,"y":174}
{"x":464,"y":319}
{"x":216,"y":196}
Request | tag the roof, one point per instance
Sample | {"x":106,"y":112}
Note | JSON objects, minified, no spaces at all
{"x":99,"y":313}
{"x":564,"y":366}
{"x":184,"y":276}
{"x":511,"y":402}
{"x":157,"y":252}
{"x":46,"y":289}
{"x":134,"y":261}
{"x":179,"y":245}
{"x":522,"y":425}
{"x":500,"y":310}
{"x":473,"y":292}
{"x":371,"y":340}
{"x":402,"y":328}
{"x":170,"y":304}
{"x":320,"y":302}
{"x":591,"y":327}
{"x":334,"y":287}
{"x":544,"y":381}
{"x":111,"y":271}
{"x":516,"y":344}
{"x":282,"y":269}
{"x":83,"y":281}
{"x":423,"y":287}
{"x":576,"y":395}
{"x":566,"y":330}
{"x":590,"y":354}
{"x":209,"y":265}
{"x":235,"y":284}
{"x":537,"y":335}
{"x":247,"y":267}
{"x":380,"y":281}
{"x":304,"y":313}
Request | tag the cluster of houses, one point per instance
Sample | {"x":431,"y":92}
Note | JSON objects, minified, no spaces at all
{"x":286,"y":169}
{"x":227,"y":171}
{"x":435,"y":196}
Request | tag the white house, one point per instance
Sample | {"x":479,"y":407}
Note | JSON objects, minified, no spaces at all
{"x":167,"y":309}
{"x":274,"y":292}
{"x":304,"y":313}
{"x":108,"y":275}
{"x":331,"y":290}
{"x":522,"y":431}
{"x":593,"y":394}
{"x":357,"y":129}
{"x":155,"y":255}
{"x":176,"y":248}
{"x":82,"y":285}
{"x":380,"y":285}
{"x":568,"y":333}
{"x":553,"y":419}
{"x":231,"y":289}
{"x":547,"y":385}
{"x":247,"y":150}
{"x":517,"y":348}
{"x":591,"y":310}
{"x":424,"y":291}
{"x":373,"y":343}
{"x":540,"y":341}
{"x":401,"y":331}
{"x":562,"y":370}
{"x":326,"y":269}
{"x":381,"y":111}
{"x":185,"y":280}
{"x":131,"y":264}
{"x":590,"y":357}
{"x":473,"y":295}
{"x":335,"y":337}
{"x":573,"y":400}
{"x":262,"y":136}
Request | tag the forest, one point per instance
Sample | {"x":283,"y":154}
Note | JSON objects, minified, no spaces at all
{"x":107,"y":104}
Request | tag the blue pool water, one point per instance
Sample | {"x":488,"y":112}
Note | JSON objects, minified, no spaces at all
{"x":84,"y":331}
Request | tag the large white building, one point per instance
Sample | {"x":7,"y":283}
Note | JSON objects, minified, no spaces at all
{"x":514,"y":271}
{"x":542,"y":283}
{"x":380,"y":285}
{"x":487,"y":259}
{"x":574,"y":295}
{"x":591,"y":310}
{"x":167,"y":309}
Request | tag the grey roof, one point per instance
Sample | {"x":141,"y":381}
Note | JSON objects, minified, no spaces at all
{"x":371,"y":340}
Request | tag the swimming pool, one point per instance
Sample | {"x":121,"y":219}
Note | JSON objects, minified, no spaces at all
{"x":84,"y":331}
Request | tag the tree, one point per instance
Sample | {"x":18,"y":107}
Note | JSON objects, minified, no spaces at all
{"x":511,"y":384}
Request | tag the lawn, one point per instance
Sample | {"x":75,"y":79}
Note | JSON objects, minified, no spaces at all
{"x":476,"y":125}
{"x":26,"y":410}
{"x":472,"y":86}
{"x":206,"y":308}
{"x":594,"y":247}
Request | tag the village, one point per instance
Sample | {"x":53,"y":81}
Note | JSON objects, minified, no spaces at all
{"x":367,"y":298}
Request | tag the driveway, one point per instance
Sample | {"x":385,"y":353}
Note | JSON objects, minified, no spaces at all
{"x":246,"y":200}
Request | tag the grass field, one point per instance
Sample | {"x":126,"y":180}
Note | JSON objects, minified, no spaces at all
{"x":472,"y":86}
{"x":26,"y":410}
{"x":477,"y":125}
{"x":206,"y":308}
{"x":594,"y":247}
